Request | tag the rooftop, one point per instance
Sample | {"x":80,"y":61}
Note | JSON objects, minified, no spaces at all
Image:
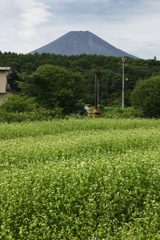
{"x":5,"y":68}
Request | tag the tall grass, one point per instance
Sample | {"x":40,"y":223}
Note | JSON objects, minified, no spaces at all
{"x":80,"y":179}
{"x":36,"y":128}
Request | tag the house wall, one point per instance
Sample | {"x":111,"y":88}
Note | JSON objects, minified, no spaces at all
{"x":3,"y":81}
{"x":4,"y":96}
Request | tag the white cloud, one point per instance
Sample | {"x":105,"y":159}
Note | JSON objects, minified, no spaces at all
{"x":31,"y":14}
{"x":78,"y":1}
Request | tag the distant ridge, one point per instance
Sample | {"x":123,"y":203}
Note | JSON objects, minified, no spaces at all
{"x":81,"y":42}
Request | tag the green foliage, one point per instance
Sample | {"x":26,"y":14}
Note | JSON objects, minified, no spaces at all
{"x":85,"y":65}
{"x":146,"y":96}
{"x":17,"y":103}
{"x":18,"y":108}
{"x":117,"y":112}
{"x":80,"y":179}
{"x":39,"y":114}
{"x":53,"y":87}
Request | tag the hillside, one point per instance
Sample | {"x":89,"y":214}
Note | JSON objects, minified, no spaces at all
{"x":80,"y":42}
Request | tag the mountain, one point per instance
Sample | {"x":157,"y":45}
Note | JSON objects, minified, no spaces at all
{"x":80,"y":42}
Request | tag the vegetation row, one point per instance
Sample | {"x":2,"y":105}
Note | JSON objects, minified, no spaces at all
{"x":64,"y":84}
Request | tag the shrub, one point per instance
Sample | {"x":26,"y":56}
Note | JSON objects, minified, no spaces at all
{"x":39,"y":114}
{"x":130,"y":112}
{"x":18,"y":108}
{"x":19,"y":103}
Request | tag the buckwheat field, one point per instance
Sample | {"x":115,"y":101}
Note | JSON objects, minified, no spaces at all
{"x":80,"y":179}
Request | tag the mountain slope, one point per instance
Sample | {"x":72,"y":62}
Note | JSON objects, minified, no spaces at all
{"x":80,"y":42}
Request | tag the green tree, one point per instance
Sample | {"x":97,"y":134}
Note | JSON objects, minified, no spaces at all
{"x":53,"y":86}
{"x":146,"y":96}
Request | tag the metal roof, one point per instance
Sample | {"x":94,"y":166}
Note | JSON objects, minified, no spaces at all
{"x":5,"y":68}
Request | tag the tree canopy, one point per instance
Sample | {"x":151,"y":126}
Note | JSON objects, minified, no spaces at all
{"x":110,"y":81}
{"x":146,"y":96}
{"x":53,"y":86}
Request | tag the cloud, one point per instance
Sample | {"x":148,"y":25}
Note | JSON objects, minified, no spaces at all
{"x":31,"y":14}
{"x":78,"y":1}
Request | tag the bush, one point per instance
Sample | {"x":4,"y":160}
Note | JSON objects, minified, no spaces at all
{"x":18,"y":108}
{"x":130,"y":112}
{"x":19,"y":103}
{"x":39,"y":114}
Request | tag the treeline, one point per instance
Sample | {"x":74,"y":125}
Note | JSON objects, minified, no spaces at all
{"x":110,"y":68}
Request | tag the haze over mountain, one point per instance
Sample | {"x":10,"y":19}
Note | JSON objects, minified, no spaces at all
{"x":80,"y":42}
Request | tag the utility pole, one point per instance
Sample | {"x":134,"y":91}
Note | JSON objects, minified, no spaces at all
{"x":97,"y":73}
{"x":123,"y":60}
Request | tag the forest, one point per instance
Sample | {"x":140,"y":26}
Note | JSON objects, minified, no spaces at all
{"x":110,"y":79}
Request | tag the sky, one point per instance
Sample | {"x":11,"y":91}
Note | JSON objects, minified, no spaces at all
{"x":130,"y":25}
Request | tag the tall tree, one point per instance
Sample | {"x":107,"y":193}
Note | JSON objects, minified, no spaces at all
{"x":146,"y":96}
{"x":53,"y":86}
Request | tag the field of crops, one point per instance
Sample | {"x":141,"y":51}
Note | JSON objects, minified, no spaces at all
{"x":81,"y":179}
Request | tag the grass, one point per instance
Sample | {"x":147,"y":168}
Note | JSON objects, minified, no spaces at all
{"x":80,"y":179}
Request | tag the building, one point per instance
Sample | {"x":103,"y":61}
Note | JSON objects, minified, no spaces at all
{"x":5,"y":89}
